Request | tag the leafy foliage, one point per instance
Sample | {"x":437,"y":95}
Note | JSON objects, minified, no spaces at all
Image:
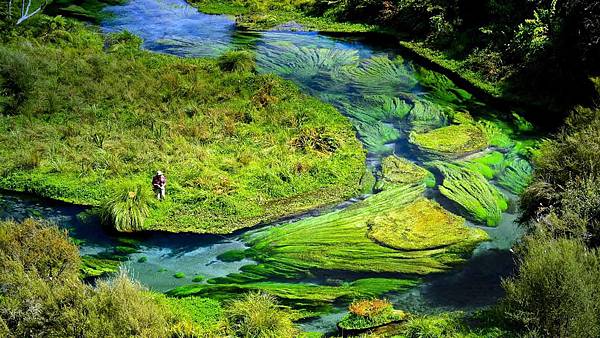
{"x":554,"y":293}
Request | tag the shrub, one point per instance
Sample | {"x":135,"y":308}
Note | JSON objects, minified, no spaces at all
{"x":554,"y":293}
{"x":370,"y":313}
{"x":127,"y":209}
{"x":257,"y":315}
{"x":16,"y":79}
{"x":237,"y":61}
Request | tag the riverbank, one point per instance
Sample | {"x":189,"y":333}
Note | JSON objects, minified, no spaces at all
{"x":238,"y":148}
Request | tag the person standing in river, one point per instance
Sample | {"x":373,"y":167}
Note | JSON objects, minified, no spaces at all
{"x":159,"y":183}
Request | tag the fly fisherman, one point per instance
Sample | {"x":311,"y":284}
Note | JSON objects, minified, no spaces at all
{"x":159,"y":182}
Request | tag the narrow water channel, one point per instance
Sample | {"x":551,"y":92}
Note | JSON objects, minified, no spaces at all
{"x":173,"y":27}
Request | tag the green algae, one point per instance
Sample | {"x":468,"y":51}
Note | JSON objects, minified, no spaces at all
{"x":338,"y":241}
{"x":425,"y":116}
{"x":422,"y":225}
{"x":179,"y":275}
{"x":451,"y":141}
{"x":470,"y":189}
{"x":516,"y":175}
{"x":398,"y":170}
{"x":92,"y":266}
{"x":316,"y":299}
{"x":232,"y":256}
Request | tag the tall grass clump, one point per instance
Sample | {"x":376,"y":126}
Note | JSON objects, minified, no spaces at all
{"x":257,"y":314}
{"x":237,"y":61}
{"x":127,"y":209}
{"x":16,"y":79}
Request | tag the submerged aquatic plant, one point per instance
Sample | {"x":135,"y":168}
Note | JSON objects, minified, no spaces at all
{"x":338,"y":241}
{"x":305,"y":63}
{"x":127,"y":209}
{"x":517,"y":174}
{"x":451,"y":141}
{"x":381,"y":75}
{"x":422,"y":225}
{"x":425,"y":116}
{"x":440,"y":88}
{"x":400,"y":171}
{"x":376,"y":135}
{"x":473,"y":192}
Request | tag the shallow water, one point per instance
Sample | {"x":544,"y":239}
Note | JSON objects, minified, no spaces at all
{"x":173,"y":27}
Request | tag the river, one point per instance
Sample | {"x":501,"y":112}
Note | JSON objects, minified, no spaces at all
{"x":313,"y":61}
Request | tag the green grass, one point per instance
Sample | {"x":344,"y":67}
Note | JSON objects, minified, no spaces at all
{"x":267,"y":15}
{"x":470,"y":189}
{"x":95,"y":122}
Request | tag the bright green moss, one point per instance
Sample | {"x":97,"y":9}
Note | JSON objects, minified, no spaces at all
{"x":179,"y":275}
{"x":422,"y":225}
{"x":400,"y":171}
{"x":473,"y":192}
{"x":451,"y":141}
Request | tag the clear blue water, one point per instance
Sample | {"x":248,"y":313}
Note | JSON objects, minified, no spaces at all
{"x":316,"y":63}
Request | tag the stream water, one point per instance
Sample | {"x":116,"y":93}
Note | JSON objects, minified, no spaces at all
{"x":173,"y":27}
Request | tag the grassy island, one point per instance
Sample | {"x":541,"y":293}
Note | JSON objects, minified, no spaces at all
{"x":84,"y":118}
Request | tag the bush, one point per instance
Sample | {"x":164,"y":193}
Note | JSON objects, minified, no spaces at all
{"x":127,"y":209}
{"x":16,"y":80}
{"x":257,"y":315}
{"x":41,"y":294}
{"x":554,"y":293}
{"x":237,"y":61}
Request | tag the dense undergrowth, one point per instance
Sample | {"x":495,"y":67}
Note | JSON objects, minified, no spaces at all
{"x":89,"y":121}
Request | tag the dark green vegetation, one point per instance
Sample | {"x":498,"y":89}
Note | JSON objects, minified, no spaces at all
{"x":536,"y":53}
{"x":557,"y":279}
{"x":90,"y":125}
